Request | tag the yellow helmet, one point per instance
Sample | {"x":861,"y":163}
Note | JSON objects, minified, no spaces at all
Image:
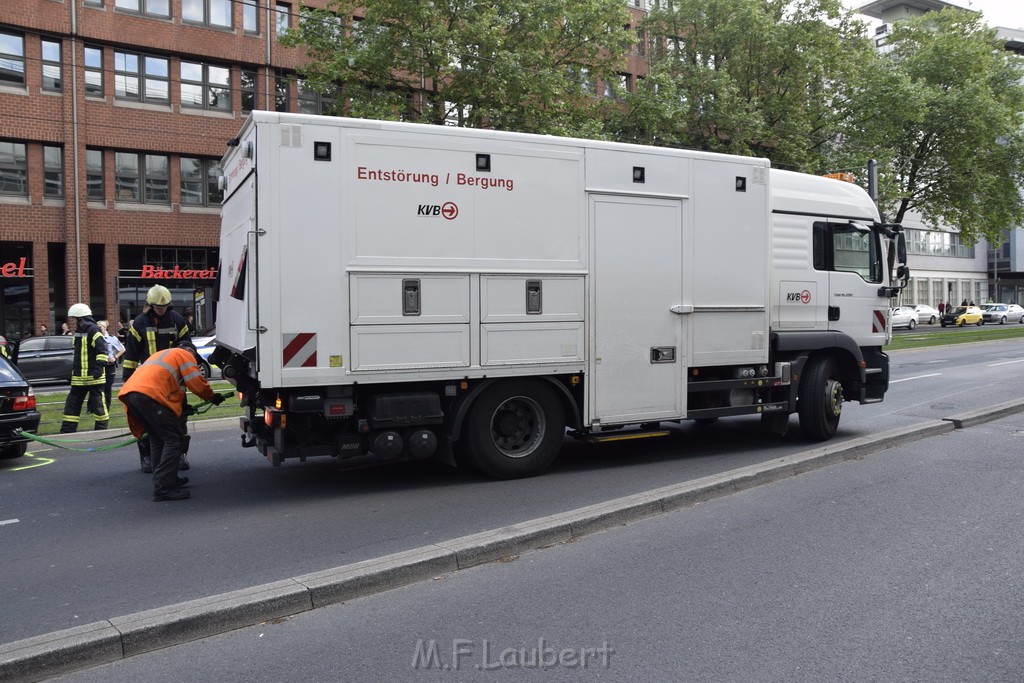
{"x":158,"y":295}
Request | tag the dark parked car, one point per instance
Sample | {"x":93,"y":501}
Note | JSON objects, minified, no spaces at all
{"x":17,"y":410}
{"x":49,"y":358}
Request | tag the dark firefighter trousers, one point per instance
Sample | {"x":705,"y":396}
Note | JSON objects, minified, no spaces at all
{"x":73,"y":407}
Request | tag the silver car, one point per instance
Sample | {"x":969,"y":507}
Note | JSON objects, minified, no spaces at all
{"x":903,"y":316}
{"x":926,"y":314}
{"x":1001,"y":313}
{"x":46,"y":359}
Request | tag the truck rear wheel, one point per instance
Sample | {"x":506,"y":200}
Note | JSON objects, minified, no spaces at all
{"x":821,"y":399}
{"x":514,"y":429}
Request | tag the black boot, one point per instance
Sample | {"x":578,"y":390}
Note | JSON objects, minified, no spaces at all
{"x":170,"y":494}
{"x":183,"y":463}
{"x":146,"y":464}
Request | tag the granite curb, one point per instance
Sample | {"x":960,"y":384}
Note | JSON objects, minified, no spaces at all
{"x":101,"y":642}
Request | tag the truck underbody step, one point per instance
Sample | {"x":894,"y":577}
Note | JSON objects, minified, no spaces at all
{"x":624,"y":436}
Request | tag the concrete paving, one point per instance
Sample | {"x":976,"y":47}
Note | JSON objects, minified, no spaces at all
{"x":124,"y":636}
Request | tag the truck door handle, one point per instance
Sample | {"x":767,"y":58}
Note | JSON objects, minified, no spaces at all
{"x":663,"y":354}
{"x":681,"y":309}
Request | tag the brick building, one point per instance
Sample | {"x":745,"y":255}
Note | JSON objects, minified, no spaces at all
{"x":114,"y":115}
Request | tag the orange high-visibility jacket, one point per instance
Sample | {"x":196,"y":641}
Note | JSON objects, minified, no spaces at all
{"x":163,"y":378}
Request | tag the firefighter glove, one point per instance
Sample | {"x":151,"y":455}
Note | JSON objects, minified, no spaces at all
{"x":218,"y":399}
{"x":98,"y":371}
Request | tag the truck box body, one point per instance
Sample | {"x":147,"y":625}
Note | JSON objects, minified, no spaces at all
{"x":423,"y":259}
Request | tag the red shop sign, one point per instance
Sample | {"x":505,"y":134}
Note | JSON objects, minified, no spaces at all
{"x":13,"y":269}
{"x":176,"y":273}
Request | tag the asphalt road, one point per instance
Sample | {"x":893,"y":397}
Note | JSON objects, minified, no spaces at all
{"x":903,"y":565}
{"x":89,"y":544}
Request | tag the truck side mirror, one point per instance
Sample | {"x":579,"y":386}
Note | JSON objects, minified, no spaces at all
{"x":901,"y":248}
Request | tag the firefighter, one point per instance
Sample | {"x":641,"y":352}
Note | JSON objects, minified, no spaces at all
{"x":4,"y":353}
{"x":88,"y":373}
{"x":157,"y":328}
{"x":154,"y":397}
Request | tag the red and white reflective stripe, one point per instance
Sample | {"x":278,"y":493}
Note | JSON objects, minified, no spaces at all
{"x":878,"y":324}
{"x":299,"y":350}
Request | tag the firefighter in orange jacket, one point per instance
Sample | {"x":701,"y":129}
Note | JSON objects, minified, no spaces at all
{"x":153,"y":397}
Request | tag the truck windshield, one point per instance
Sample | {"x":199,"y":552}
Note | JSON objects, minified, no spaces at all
{"x":848,"y":247}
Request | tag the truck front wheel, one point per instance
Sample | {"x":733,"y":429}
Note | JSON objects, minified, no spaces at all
{"x":821,"y":399}
{"x":514,"y":429}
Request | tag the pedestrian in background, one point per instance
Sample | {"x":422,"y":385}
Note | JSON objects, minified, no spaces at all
{"x":44,"y":331}
{"x":942,"y":307}
{"x":115,"y":349}
{"x":87,"y":373}
{"x":65,"y":330}
{"x":154,"y":399}
{"x":158,"y":328}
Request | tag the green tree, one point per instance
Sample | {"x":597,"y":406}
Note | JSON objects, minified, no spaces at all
{"x":508,"y":64}
{"x":753,"y":77}
{"x":942,"y":110}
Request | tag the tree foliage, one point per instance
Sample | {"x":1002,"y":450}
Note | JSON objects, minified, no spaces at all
{"x":943,"y":111}
{"x":506,"y":64}
{"x":754,"y":77}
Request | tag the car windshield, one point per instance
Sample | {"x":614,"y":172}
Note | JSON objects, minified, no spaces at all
{"x":960,"y":311}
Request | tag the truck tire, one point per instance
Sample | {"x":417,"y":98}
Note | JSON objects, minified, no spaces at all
{"x":821,"y":399}
{"x":514,"y":429}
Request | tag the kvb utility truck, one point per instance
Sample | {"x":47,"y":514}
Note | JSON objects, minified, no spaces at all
{"x":392,"y":290}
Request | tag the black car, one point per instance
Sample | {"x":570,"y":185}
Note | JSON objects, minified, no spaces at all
{"x":17,"y":410}
{"x":49,"y":358}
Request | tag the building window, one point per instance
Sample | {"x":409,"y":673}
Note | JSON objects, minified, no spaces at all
{"x":199,"y":186}
{"x":13,"y":169}
{"x":641,"y":42}
{"x":94,"y":3}
{"x":281,"y":92}
{"x":51,"y":65}
{"x":141,"y":77}
{"x":209,"y":12}
{"x":205,"y":86}
{"x":313,"y":102}
{"x":617,"y":86}
{"x":12,"y":58}
{"x":94,"y":71}
{"x":248,"y":90}
{"x":250,"y":18}
{"x":94,"y":174}
{"x":155,"y":8}
{"x":283,"y":17}
{"x":142,"y":178}
{"x":53,"y":171}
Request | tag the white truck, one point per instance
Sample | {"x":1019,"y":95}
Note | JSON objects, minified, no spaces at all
{"x":392,"y":290}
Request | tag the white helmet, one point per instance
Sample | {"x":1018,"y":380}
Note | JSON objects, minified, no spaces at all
{"x":79,"y":311}
{"x":158,"y":295}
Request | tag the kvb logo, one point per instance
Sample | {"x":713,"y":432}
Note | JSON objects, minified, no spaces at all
{"x":803,"y":297}
{"x":448,"y":210}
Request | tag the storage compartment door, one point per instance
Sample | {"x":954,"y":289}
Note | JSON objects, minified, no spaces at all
{"x":639,"y":360}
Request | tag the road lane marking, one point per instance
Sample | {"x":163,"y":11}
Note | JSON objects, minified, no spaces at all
{"x":907,"y":379}
{"x":9,"y":521}
{"x":1006,"y":362}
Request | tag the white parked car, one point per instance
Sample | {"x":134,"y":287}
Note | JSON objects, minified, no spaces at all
{"x":903,"y":316}
{"x":927,"y":314}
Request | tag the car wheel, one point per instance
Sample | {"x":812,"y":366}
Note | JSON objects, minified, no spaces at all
{"x":912,"y":324}
{"x":1002,"y":321}
{"x":205,"y":367}
{"x":931,"y":320}
{"x":980,"y":322}
{"x":943,"y":323}
{"x":14,"y":450}
{"x":960,"y":323}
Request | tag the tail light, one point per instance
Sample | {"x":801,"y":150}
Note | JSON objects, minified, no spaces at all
{"x":27,"y":402}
